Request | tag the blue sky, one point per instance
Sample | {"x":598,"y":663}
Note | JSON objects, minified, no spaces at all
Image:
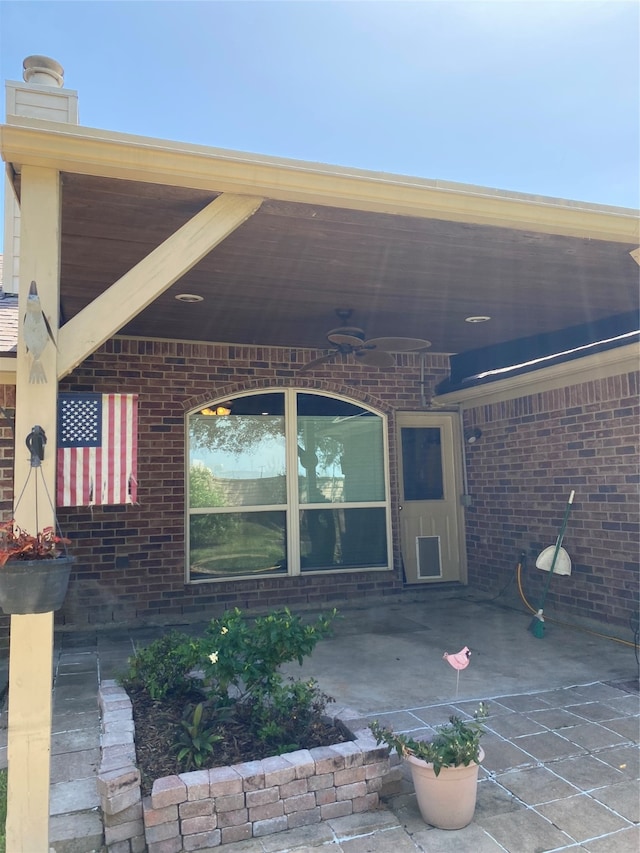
{"x":540,"y":97}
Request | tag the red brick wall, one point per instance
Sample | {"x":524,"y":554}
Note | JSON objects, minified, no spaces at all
{"x":533,"y":452}
{"x":130,"y":561}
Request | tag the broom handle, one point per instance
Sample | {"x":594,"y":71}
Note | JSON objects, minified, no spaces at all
{"x":558,"y":546}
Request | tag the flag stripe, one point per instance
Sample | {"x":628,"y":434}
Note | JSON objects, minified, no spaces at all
{"x":100,"y":466}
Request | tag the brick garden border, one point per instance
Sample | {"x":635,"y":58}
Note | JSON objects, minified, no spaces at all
{"x":208,"y":808}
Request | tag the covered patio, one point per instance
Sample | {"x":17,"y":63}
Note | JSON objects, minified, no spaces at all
{"x":205,"y":284}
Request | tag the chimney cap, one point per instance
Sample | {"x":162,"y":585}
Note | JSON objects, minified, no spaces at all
{"x":43,"y":70}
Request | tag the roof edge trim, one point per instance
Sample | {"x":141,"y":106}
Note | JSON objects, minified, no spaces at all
{"x":601,"y":365}
{"x":87,"y":151}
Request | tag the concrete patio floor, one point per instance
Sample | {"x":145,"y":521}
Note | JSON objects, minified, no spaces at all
{"x":561,"y":769}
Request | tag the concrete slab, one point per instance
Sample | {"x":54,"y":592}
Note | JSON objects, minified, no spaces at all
{"x":387,"y":662}
{"x":622,"y":798}
{"x":628,"y":727}
{"x":582,"y":817}
{"x":536,"y":785}
{"x":72,"y":766}
{"x":76,"y":740}
{"x":626,"y":841}
{"x":592,"y":736}
{"x":548,"y":746}
{"x":471,"y":838}
{"x":73,"y":796}
{"x":76,"y":833}
{"x":525,"y":832}
{"x":587,"y":772}
{"x":394,"y":839}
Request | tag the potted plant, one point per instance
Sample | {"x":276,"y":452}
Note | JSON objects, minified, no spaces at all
{"x":34,"y":570}
{"x":445,"y":769}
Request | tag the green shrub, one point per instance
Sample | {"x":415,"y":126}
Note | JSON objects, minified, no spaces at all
{"x":241,"y":658}
{"x":281,"y":717}
{"x":163,"y":667}
{"x":236,"y":662}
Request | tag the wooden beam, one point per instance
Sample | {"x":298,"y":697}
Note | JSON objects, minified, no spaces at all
{"x":136,"y":289}
{"x":31,"y":655}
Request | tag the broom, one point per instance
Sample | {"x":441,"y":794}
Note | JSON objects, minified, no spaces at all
{"x":537,"y":623}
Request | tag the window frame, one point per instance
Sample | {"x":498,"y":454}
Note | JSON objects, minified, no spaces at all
{"x":293,"y":504}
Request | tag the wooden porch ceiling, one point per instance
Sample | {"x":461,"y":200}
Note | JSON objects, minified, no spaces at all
{"x":278,"y":279}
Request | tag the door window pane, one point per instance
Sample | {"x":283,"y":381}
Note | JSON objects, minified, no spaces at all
{"x":422,"y":464}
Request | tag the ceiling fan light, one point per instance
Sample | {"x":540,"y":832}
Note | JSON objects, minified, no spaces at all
{"x":219,"y":411}
{"x":349,"y":335}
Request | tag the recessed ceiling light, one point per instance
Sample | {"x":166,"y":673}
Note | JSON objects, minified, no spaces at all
{"x":189,"y":297}
{"x":479,"y":319}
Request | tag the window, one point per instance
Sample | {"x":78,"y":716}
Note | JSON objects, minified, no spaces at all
{"x":286,"y":483}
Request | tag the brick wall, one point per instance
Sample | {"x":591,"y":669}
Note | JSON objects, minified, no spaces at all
{"x":130,"y":561}
{"x":532,"y":453}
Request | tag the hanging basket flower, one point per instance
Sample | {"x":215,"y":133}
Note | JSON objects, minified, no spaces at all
{"x":34,"y":570}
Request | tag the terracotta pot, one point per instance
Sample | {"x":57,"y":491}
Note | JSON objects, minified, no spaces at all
{"x":448,"y":800}
{"x":34,"y":586}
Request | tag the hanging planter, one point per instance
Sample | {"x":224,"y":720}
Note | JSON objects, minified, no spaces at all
{"x":34,"y":570}
{"x":34,"y":586}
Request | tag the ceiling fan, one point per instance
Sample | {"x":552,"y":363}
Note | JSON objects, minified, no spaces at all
{"x":351,"y":340}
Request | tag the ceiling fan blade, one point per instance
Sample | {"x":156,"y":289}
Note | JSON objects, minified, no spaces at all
{"x":375,"y":358}
{"x":318,"y":361}
{"x":398,"y":344}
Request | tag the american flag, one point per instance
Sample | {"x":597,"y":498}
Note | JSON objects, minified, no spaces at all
{"x":97,"y":449}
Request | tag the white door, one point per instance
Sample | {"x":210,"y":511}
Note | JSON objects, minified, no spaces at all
{"x":431,"y":515}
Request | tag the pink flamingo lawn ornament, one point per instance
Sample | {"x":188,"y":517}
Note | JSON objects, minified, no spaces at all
{"x":458,"y":661}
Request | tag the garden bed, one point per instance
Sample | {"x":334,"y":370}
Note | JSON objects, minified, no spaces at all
{"x":215,"y":806}
{"x":158,"y":723}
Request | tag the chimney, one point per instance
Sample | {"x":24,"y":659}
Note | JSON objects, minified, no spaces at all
{"x":42,"y":69}
{"x":41,"y":96}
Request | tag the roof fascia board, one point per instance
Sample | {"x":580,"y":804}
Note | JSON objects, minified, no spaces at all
{"x":88,"y":151}
{"x":602,"y":365}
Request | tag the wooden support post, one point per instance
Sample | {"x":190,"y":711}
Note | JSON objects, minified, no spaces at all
{"x":31,"y":655}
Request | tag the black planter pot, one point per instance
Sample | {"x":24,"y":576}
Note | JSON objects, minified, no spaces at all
{"x":34,"y":586}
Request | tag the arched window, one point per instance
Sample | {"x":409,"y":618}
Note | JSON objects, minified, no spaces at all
{"x":286,"y":482}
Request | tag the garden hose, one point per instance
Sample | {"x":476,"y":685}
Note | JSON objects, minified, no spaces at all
{"x":634,"y":645}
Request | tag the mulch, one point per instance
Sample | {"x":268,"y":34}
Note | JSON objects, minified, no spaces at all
{"x":158,"y":724}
